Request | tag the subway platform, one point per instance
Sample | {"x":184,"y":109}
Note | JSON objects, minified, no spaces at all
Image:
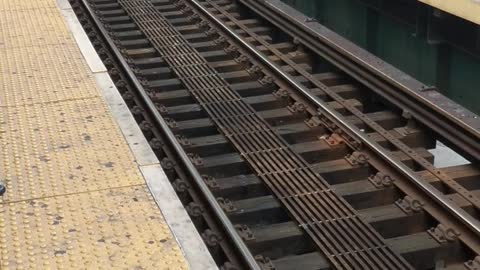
{"x":83,"y":188}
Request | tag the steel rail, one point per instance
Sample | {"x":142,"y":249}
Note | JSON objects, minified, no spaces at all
{"x":230,"y":230}
{"x":461,"y":129}
{"x":432,"y":192}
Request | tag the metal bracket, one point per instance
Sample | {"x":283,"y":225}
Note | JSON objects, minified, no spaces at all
{"x":93,"y":34}
{"x":184,"y":141}
{"x":83,"y":19}
{"x":281,"y":93}
{"x":114,"y":73}
{"x":89,"y":27}
{"x":203,"y":24}
{"x":334,"y":139}
{"x":327,"y":122}
{"x":180,"y":185}
{"x":171,"y":123}
{"x":137,"y":71}
{"x":167,"y":164}
{"x":211,"y":32}
{"x":297,"y":107}
{"x":118,"y":43}
{"x":194,"y":209}
{"x":156,"y":144}
{"x":244,"y":62}
{"x":313,"y":122}
{"x":120,"y":84}
{"x":245,"y":232}
{"x":409,"y":205}
{"x":107,"y":62}
{"x":161,"y":108}
{"x":151,"y":94}
{"x":211,"y":238}
{"x":128,"y":96}
{"x":443,"y":234}
{"x":196,"y":159}
{"x":146,"y":126}
{"x":143,"y":81}
{"x":137,"y":110}
{"x":357,"y":159}
{"x":381,"y":180}
{"x":123,"y":51}
{"x":226,"y":205}
{"x":211,"y":182}
{"x":186,"y":9}
{"x":473,"y":264}
{"x":102,"y":53}
{"x":231,"y":49}
{"x":220,"y":40}
{"x":255,"y":70}
{"x":266,"y":80}
{"x":97,"y":44}
{"x":265,"y":263}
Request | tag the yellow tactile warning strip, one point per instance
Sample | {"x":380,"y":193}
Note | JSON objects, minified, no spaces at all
{"x":16,"y":27}
{"x":75,"y":197}
{"x":63,"y":147}
{"x":29,"y":70}
{"x":115,"y":229}
{"x":22,"y":4}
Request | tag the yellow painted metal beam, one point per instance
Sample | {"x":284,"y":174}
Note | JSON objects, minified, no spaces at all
{"x":466,"y":9}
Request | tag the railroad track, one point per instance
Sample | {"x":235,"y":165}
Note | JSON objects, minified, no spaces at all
{"x":284,"y":158}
